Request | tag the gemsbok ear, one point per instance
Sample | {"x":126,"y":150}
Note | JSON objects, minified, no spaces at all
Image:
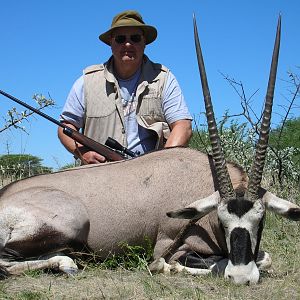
{"x":197,"y":209}
{"x":281,"y":207}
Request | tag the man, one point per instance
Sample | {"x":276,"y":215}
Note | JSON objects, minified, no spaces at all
{"x":129,"y":98}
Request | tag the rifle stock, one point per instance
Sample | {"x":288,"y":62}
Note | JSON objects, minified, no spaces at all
{"x":108,"y":153}
{"x":103,"y":150}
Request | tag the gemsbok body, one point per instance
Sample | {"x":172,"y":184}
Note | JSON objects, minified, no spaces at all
{"x":201,"y":214}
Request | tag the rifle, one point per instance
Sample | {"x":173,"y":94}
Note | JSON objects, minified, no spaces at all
{"x":109,"y":153}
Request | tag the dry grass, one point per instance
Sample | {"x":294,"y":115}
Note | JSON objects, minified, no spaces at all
{"x":123,"y":284}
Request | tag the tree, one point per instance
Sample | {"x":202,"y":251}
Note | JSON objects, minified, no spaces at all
{"x":287,"y":135}
{"x":14,"y":118}
{"x":239,"y":139}
{"x":285,"y":145}
{"x":18,"y":166}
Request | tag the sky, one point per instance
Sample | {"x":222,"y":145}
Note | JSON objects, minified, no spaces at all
{"x":46,"y":44}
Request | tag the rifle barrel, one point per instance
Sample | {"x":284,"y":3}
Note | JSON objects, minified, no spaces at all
{"x":109,"y":153}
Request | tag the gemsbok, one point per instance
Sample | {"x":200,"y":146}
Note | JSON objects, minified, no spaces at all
{"x":201,"y":214}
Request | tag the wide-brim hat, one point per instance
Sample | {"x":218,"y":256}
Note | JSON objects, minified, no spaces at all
{"x":129,"y":18}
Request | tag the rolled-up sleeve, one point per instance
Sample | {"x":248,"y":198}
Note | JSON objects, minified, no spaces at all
{"x":73,"y":110}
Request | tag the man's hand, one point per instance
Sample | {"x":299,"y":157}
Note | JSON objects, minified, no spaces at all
{"x":88,"y":157}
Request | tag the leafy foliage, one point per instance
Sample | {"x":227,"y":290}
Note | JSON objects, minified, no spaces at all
{"x":132,"y":257}
{"x":238,"y":142}
{"x":287,"y":137}
{"x":70,"y":165}
{"x":285,"y":150}
{"x":15,"y":118}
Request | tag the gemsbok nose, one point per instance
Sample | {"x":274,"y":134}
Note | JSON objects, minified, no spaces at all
{"x":242,"y":274}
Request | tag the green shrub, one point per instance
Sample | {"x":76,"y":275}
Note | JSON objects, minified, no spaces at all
{"x":238,"y":142}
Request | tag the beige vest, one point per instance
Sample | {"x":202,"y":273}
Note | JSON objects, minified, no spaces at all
{"x":104,"y":116}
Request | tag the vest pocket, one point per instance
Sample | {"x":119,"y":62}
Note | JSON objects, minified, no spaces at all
{"x":101,"y":127}
{"x":151,"y":107}
{"x":100,"y":111}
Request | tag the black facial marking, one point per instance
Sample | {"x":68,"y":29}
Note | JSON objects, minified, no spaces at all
{"x":240,"y":246}
{"x":239,"y":207}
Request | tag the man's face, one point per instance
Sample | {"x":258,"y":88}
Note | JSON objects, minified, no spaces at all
{"x":128,"y":44}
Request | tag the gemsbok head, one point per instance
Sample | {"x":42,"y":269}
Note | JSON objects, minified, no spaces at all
{"x":241,"y":213}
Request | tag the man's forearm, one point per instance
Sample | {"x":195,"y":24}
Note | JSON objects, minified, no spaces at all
{"x":68,"y":142}
{"x":181,"y":132}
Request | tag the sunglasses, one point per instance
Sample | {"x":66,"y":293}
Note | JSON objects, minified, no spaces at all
{"x":134,"y":38}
